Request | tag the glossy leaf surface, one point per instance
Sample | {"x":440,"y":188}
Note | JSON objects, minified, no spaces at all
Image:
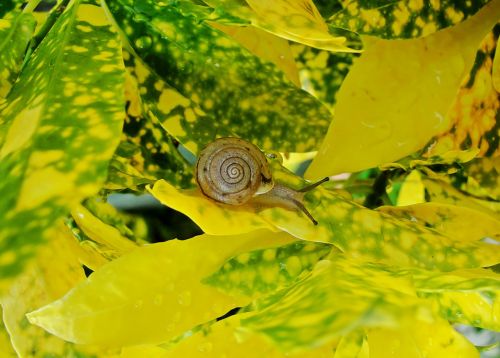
{"x":149,"y":287}
{"x":403,"y":18}
{"x":58,"y":130}
{"x":251,"y":99}
{"x":397,"y":95}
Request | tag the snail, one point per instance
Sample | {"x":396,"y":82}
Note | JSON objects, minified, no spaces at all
{"x":235,"y":172}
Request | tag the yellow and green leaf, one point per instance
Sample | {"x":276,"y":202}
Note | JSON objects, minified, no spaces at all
{"x":263,"y":271}
{"x":403,"y":18}
{"x":15,"y":35}
{"x":451,"y":220}
{"x":7,"y":7}
{"x":469,"y":297}
{"x":145,"y":154}
{"x":340,"y":296}
{"x":397,"y":95}
{"x":54,"y":272}
{"x":146,"y":296}
{"x":58,"y":129}
{"x":355,"y":230}
{"x":483,"y":177}
{"x":298,"y":21}
{"x":322,"y":72}
{"x":472,"y":122}
{"x":249,"y":97}
{"x":442,"y":192}
{"x":225,"y":339}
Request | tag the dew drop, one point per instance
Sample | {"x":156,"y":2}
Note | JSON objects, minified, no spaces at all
{"x":158,"y":300}
{"x":138,"y":304}
{"x":205,"y":347}
{"x":184,"y":298}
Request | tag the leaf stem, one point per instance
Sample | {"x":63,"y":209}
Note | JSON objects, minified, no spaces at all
{"x":32,"y":4}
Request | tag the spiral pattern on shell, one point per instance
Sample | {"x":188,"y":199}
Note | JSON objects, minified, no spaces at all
{"x":231,"y":171}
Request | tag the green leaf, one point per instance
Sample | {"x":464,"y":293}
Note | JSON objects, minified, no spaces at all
{"x":403,"y":18}
{"x":243,"y":94}
{"x":8,"y":6}
{"x":146,"y":296}
{"x":15,"y":35}
{"x":397,"y":95}
{"x":264,"y":271}
{"x":340,"y":296}
{"x":58,"y":130}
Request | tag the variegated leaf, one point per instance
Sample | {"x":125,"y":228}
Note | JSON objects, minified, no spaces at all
{"x":340,"y":296}
{"x":236,"y":90}
{"x":474,"y":117}
{"x":442,"y":192}
{"x":55,"y":271}
{"x":9,"y":6}
{"x":403,"y":18}
{"x":452,"y":220}
{"x":225,"y":339}
{"x":355,"y":230}
{"x":483,"y":177}
{"x":15,"y":35}
{"x":297,"y":21}
{"x":59,"y":129}
{"x":146,"y":152}
{"x":322,"y":72}
{"x":146,"y":296}
{"x":397,"y":95}
{"x":264,"y":271}
{"x":469,"y":297}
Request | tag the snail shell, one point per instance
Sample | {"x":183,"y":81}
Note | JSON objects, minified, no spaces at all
{"x":232,"y":171}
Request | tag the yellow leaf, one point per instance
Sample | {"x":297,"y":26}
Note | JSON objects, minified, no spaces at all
{"x":298,"y":21}
{"x":5,"y":343}
{"x":265,"y":45}
{"x":451,"y":220}
{"x":496,"y":69}
{"x":214,"y":219}
{"x":397,"y":94}
{"x":152,"y":294}
{"x":106,"y":242}
{"x":353,"y":344}
{"x":432,"y":340}
{"x":412,"y":191}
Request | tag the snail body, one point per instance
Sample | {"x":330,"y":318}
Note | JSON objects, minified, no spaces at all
{"x":235,"y":172}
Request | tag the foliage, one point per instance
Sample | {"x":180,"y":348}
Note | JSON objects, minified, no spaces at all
{"x":99,"y":99}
